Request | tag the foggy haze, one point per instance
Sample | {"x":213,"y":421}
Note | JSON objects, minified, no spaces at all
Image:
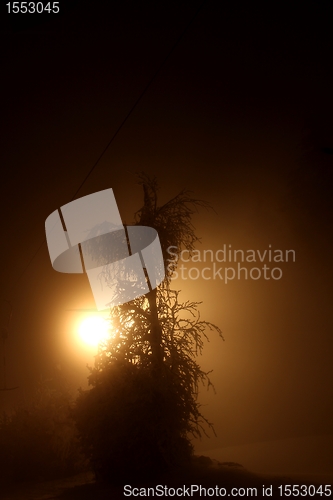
{"x":240,"y":114}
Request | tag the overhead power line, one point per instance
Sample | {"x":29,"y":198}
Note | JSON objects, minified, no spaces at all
{"x":144,"y":91}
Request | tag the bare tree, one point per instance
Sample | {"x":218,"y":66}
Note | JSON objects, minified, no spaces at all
{"x":155,"y":340}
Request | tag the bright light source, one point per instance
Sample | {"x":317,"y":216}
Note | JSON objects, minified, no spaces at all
{"x":93,"y":330}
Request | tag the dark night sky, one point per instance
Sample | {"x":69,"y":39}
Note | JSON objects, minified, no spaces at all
{"x":241,"y":114}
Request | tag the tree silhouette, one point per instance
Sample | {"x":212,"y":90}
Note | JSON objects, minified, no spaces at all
{"x":139,"y":416}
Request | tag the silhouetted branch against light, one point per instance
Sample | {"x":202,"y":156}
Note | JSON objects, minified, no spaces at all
{"x":172,"y":220}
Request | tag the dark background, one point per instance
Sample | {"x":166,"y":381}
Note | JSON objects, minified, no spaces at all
{"x":240,"y":114}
